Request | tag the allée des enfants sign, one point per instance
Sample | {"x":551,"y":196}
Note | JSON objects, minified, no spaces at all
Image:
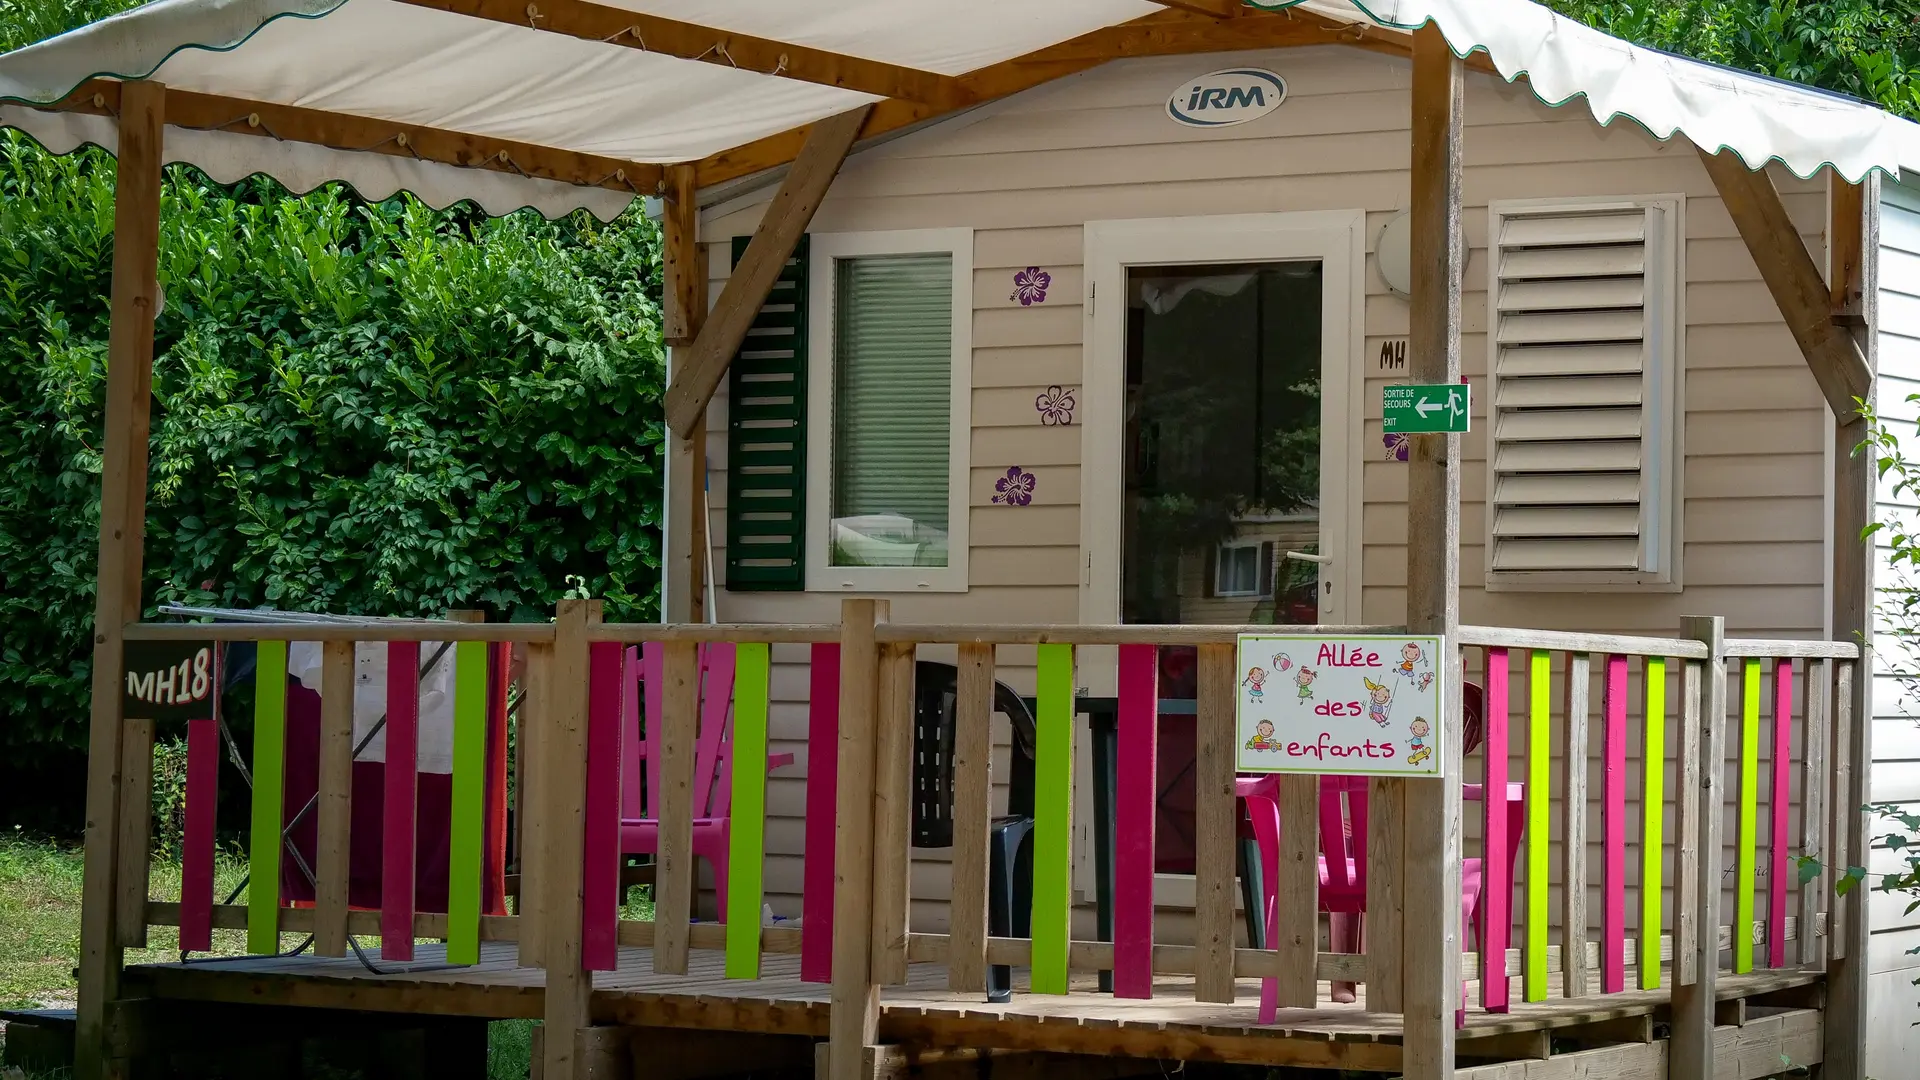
{"x":1361,"y":705}
{"x":169,"y":680}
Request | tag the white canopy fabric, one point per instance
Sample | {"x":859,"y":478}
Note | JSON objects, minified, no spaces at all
{"x":394,"y":61}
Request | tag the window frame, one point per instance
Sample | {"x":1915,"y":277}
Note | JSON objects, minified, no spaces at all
{"x":825,"y":252}
{"x":1219,"y":562}
{"x":1665,"y":407}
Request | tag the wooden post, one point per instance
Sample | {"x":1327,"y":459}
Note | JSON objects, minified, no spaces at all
{"x":972,"y":816}
{"x":569,"y":985}
{"x":334,"y":844}
{"x":136,"y":831}
{"x":1214,"y":814}
{"x":1855,"y":224}
{"x":1706,"y":712}
{"x":892,"y":813}
{"x":855,"y":1019}
{"x":673,"y":883}
{"x":123,"y":500}
{"x":684,"y":315}
{"x":1430,"y":850}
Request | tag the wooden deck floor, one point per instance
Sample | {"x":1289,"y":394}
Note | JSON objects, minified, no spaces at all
{"x":923,"y":1013}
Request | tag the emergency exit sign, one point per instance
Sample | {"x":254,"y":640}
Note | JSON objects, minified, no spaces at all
{"x":1417,"y":409}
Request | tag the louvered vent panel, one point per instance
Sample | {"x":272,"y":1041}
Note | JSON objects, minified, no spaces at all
{"x":1570,"y":417}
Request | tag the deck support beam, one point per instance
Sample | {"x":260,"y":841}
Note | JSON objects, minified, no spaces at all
{"x":854,"y":1021}
{"x":787,"y":217}
{"x":123,"y":514}
{"x":1851,"y":297}
{"x":568,"y":985}
{"x":1694,"y":1006}
{"x":683,"y":317}
{"x":1793,"y":278}
{"x":1430,"y":808}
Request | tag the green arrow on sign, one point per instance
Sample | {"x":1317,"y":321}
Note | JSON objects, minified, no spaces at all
{"x":1426,"y":409}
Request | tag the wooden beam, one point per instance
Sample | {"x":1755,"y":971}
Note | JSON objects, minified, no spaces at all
{"x":568,"y":987}
{"x":1855,"y":227}
{"x":855,"y":1017}
{"x":680,"y":227}
{"x":1430,"y":831}
{"x":345,"y":131}
{"x":692,"y":41}
{"x":123,"y":500}
{"x":1706,"y":709}
{"x":766,"y":256}
{"x":1792,"y":277}
{"x":684,"y":316}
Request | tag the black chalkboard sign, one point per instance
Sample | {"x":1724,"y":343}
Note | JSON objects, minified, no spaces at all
{"x":169,"y":680}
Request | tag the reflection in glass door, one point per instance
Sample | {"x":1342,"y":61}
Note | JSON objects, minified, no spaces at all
{"x":1222,"y":486}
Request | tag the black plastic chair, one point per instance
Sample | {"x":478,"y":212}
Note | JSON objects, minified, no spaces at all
{"x":1009,"y":851}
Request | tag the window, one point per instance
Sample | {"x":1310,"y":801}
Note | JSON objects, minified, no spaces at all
{"x":890,"y":377}
{"x":1583,"y":484}
{"x":1243,"y":570}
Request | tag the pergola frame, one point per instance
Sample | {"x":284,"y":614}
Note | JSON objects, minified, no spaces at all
{"x":1414,"y":952}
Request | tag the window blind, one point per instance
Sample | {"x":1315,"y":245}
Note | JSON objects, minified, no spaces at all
{"x":892,"y":396}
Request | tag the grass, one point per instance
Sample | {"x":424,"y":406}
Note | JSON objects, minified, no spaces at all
{"x":40,"y":887}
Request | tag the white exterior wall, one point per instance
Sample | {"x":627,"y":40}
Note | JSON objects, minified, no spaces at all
{"x":1893,"y":1043}
{"x":1027,"y":173}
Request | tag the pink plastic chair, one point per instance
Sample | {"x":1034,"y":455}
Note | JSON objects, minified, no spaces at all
{"x":712,"y":760}
{"x":1343,"y":851}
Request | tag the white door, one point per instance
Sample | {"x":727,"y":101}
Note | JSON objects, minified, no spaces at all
{"x":1222,"y":439}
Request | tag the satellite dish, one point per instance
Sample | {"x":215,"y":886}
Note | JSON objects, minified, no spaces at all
{"x":1392,"y":253}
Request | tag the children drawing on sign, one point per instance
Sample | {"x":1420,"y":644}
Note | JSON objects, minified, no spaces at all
{"x":1281,"y":661}
{"x":1410,"y":658}
{"x":1418,"y":744}
{"x":1304,"y":680}
{"x":1256,"y":677}
{"x":1382,"y":697}
{"x":1263,"y":737}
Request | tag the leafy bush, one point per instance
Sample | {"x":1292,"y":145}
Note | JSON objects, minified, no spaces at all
{"x":1867,"y":48}
{"x":377,"y":409}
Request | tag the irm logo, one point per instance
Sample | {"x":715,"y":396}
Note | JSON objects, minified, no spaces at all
{"x":1225,"y":98}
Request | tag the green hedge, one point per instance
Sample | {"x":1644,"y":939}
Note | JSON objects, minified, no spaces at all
{"x":357,"y":408}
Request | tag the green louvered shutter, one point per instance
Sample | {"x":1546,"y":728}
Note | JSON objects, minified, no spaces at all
{"x":767,"y":439}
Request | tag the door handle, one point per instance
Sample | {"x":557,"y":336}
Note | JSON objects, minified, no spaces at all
{"x":1307,"y":556}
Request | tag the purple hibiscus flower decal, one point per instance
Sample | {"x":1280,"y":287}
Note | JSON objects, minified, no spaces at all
{"x":1396,"y":446}
{"x":1056,"y":406}
{"x":1015,"y":488}
{"x":1030,"y":286}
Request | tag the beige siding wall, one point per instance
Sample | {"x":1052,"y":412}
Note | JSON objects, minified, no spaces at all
{"x":1027,"y":173}
{"x":1892,"y":1046}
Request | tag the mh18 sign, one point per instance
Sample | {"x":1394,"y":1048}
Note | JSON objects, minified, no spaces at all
{"x":169,"y":680}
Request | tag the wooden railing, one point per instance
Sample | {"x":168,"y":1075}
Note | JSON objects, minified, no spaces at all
{"x":1660,"y":927}
{"x":1656,"y":699}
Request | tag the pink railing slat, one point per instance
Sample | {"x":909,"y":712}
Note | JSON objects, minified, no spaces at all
{"x":1134,"y":803}
{"x":600,"y":850}
{"x":716,"y":705}
{"x":1497,"y":895}
{"x":632,"y":799}
{"x":652,"y":678}
{"x":196,"y":843}
{"x":823,"y":762}
{"x":1613,"y":945}
{"x":1780,"y":796}
{"x":400,"y":804}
